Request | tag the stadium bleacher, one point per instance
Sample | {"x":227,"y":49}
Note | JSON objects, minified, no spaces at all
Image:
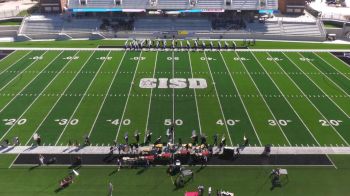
{"x":169,"y":24}
{"x":42,"y":25}
{"x":210,"y":4}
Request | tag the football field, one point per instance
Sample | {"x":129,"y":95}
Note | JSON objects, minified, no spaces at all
{"x":279,"y":98}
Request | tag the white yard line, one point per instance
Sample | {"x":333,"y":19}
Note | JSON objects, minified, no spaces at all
{"x":195,"y":96}
{"x":340,"y":88}
{"x":301,"y":120}
{"x":173,"y":95}
{"x":82,"y":98}
{"x":20,"y":73}
{"x":320,"y":88}
{"x":311,"y":101}
{"x":2,"y":109}
{"x":122,"y":49}
{"x":54,"y":105}
{"x":268,"y":107}
{"x":150,"y":98}
{"x":217,"y":96}
{"x":127,"y":98}
{"x":245,"y":109}
{"x":106,"y":95}
{"x":37,"y":96}
{"x":14,"y":62}
{"x":341,"y":73}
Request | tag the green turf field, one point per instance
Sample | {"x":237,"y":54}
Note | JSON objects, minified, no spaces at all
{"x":286,"y":99}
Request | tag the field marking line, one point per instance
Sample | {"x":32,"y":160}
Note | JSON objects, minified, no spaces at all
{"x":25,"y":111}
{"x":106,"y":95}
{"x":311,"y":101}
{"x":329,"y":158}
{"x":14,"y":62}
{"x":82,"y":98}
{"x":150,"y":97}
{"x":217,"y":96}
{"x":159,"y":166}
{"x":245,"y":108}
{"x":22,"y":71}
{"x":9,"y":54}
{"x":341,"y":73}
{"x":340,"y":88}
{"x":268,"y":107}
{"x":127,"y":98}
{"x":2,"y":109}
{"x":321,"y":89}
{"x":122,"y":49}
{"x":195,"y":95}
{"x":301,"y":120}
{"x":173,"y":94}
{"x":54,"y":106}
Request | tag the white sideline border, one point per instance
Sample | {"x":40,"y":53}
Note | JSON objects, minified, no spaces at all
{"x":122,"y":49}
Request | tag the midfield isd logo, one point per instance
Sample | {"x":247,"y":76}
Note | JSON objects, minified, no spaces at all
{"x":178,"y":83}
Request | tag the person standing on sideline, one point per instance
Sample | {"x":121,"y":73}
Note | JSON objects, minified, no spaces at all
{"x":209,"y":191}
{"x":110,"y":189}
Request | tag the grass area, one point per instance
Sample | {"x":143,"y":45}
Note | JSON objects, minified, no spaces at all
{"x":322,"y":181}
{"x":274,"y":98}
{"x":10,"y":23}
{"x":96,"y":43}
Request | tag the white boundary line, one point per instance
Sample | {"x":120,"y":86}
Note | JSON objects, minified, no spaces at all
{"x":173,"y":94}
{"x":341,"y":73}
{"x":82,"y":98}
{"x":311,"y":101}
{"x":217,"y":96}
{"x":320,"y":88}
{"x":112,"y":165}
{"x":59,"y":98}
{"x":122,"y":49}
{"x":2,"y":109}
{"x":195,"y":95}
{"x":52,"y":80}
{"x":268,"y":107}
{"x":301,"y":120}
{"x":106,"y":95}
{"x":245,"y":108}
{"x":29,"y":139}
{"x":285,"y":97}
{"x":150,"y":97}
{"x":22,"y":71}
{"x":13,"y":62}
{"x":9,"y":54}
{"x":127,"y":98}
{"x":340,"y":88}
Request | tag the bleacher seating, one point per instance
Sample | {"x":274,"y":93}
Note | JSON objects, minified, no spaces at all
{"x":272,"y":4}
{"x":42,"y":25}
{"x":172,"y":24}
{"x":173,"y":4}
{"x":81,"y":25}
{"x":210,"y":4}
{"x":100,"y":3}
{"x":135,"y":4}
{"x":245,"y":4}
{"x":304,"y":29}
{"x":265,"y":28}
